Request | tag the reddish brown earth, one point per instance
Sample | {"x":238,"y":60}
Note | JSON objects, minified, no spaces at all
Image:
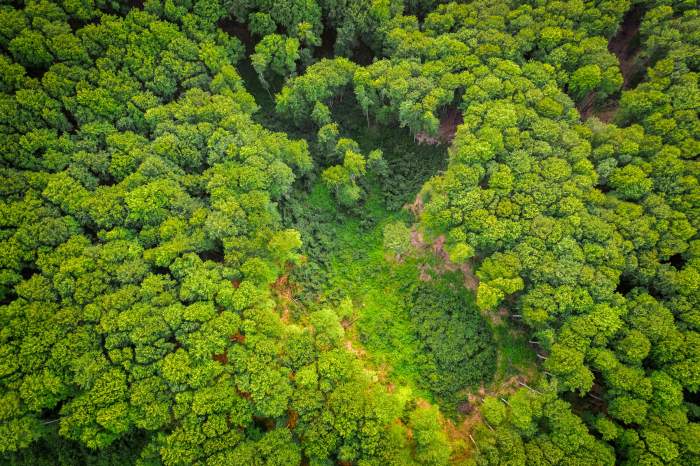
{"x":461,"y":430}
{"x":437,"y":248}
{"x":449,"y":121}
{"x":625,"y":47}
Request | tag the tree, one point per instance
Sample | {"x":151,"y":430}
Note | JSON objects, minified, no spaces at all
{"x":151,"y":241}
{"x":29,"y":48}
{"x":320,"y":82}
{"x":276,"y":55}
{"x":631,"y":182}
{"x":493,"y":410}
{"x":431,"y":441}
{"x":261,"y":24}
{"x":397,"y":238}
{"x":283,"y":244}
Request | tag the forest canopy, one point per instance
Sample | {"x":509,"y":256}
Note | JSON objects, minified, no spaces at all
{"x":359,"y":232}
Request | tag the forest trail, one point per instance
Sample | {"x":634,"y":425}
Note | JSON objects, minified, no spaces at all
{"x":625,"y":46}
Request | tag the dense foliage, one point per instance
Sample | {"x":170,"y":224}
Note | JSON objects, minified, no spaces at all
{"x":139,"y":239}
{"x":457,"y":348}
{"x":155,"y":231}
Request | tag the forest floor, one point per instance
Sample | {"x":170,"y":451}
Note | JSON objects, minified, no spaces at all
{"x":378,"y":290}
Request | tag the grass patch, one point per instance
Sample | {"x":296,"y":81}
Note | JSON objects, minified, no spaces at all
{"x":515,"y":355}
{"x":355,"y":267}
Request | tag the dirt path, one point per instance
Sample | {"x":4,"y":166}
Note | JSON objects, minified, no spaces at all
{"x":625,"y":46}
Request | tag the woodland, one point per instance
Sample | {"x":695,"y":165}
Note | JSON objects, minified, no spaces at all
{"x":349,"y":232}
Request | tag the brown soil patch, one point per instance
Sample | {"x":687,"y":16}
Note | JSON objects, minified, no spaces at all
{"x":607,"y":113}
{"x":284,"y":292}
{"x":450,"y":119}
{"x":625,"y":45}
{"x":417,"y":207}
{"x":222,"y":358}
{"x":424,"y":274}
{"x":359,"y":352}
{"x":417,"y":239}
{"x":449,"y":122}
{"x":421,"y":403}
{"x":437,"y":248}
{"x":293,"y":418}
{"x":471,"y":281}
